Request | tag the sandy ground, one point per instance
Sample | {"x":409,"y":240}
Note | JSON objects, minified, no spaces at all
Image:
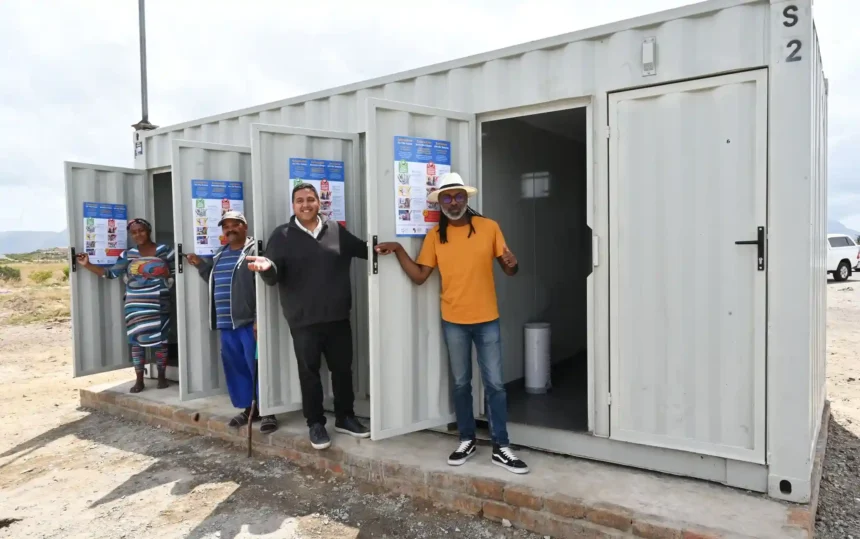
{"x":71,"y":474}
{"x":67,"y":473}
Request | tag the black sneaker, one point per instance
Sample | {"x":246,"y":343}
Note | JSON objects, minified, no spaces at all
{"x":352,"y":427}
{"x":464,"y":452}
{"x":319,"y":437}
{"x":504,"y":457}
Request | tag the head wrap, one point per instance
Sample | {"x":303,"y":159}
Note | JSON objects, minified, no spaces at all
{"x":139,"y":221}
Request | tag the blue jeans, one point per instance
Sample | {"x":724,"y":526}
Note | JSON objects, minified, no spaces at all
{"x":488,"y":342}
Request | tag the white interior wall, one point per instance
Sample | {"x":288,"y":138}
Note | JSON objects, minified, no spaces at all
{"x":548,"y":235}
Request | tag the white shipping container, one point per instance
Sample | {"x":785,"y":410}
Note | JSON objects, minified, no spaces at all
{"x":624,"y":163}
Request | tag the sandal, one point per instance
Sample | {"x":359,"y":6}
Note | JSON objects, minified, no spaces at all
{"x":241,"y":419}
{"x":269,"y":424}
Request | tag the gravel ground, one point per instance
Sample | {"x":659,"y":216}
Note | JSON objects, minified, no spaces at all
{"x":839,"y":500}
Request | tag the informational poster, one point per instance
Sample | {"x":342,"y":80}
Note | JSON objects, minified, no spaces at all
{"x":210,"y":200}
{"x":105,"y":235}
{"x":418,"y":164}
{"x":328,"y":178}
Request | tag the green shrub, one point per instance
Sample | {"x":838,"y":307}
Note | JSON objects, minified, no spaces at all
{"x":66,"y":273}
{"x":9,"y":274}
{"x":40,"y":277}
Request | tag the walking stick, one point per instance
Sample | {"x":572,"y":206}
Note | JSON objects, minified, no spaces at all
{"x":253,"y":399}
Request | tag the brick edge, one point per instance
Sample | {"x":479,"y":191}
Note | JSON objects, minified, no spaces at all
{"x":555,"y":515}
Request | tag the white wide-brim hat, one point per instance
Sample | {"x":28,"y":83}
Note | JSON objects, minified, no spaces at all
{"x":451,"y":182}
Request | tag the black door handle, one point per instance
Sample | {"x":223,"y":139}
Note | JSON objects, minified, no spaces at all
{"x":759,"y":242}
{"x":74,"y":263}
{"x":375,"y":255}
{"x":179,"y":258}
{"x":259,"y":247}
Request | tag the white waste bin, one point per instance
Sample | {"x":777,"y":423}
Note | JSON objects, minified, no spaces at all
{"x":537,"y":358}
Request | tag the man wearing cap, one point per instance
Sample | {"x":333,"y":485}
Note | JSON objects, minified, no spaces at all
{"x":463,"y":245}
{"x":309,"y":260}
{"x":233,"y":312}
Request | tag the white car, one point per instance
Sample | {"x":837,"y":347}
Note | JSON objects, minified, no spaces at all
{"x":842,"y":255}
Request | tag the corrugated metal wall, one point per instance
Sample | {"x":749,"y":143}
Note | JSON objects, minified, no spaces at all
{"x":100,"y":342}
{"x":700,"y":40}
{"x":818,"y":201}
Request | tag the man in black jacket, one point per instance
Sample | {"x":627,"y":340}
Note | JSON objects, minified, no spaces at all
{"x":309,"y":260}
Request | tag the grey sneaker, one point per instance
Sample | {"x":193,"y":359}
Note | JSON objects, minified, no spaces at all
{"x":319,"y":437}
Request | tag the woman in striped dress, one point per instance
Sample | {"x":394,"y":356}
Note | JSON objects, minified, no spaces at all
{"x":147,"y":271}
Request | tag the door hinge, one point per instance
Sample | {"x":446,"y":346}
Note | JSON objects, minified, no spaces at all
{"x":608,"y":132}
{"x":609,"y":399}
{"x":595,"y":252}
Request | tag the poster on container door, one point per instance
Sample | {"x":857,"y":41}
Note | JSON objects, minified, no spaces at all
{"x":329,"y":179}
{"x":210,"y":200}
{"x":105,"y":236}
{"x":418,"y":164}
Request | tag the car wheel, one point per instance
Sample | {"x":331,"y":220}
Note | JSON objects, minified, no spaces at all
{"x":843,"y":272}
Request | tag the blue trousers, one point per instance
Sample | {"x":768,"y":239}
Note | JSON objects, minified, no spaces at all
{"x":488,"y":343}
{"x":238,"y":350}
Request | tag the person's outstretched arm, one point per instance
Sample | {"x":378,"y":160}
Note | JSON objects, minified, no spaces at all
{"x":418,"y":272}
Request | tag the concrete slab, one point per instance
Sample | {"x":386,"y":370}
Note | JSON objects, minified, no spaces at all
{"x":566,"y":496}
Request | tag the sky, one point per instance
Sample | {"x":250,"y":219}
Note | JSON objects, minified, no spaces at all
{"x":70,"y":86}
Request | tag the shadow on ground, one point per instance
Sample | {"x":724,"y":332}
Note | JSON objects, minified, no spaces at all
{"x":267,"y":492}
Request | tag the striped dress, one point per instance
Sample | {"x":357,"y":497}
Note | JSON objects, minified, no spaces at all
{"x":148,"y":280}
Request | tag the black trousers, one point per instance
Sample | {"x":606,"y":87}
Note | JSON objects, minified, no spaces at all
{"x":334,"y":340}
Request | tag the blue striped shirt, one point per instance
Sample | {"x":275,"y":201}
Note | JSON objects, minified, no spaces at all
{"x":222,"y":274}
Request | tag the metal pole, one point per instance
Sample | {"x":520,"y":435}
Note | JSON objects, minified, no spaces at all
{"x":143,"y":124}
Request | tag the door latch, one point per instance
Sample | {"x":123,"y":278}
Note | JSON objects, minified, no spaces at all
{"x":74,"y":263}
{"x":179,"y":258}
{"x":759,"y":243}
{"x":375,"y":255}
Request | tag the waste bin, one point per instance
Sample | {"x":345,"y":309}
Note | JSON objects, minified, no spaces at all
{"x":537,"y":358}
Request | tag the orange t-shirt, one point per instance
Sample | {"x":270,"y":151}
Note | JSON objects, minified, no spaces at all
{"x":466,"y":267}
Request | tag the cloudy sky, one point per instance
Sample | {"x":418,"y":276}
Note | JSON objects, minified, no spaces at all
{"x":69,"y":79}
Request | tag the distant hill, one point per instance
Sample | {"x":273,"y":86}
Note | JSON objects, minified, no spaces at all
{"x":28,"y":241}
{"x":835,"y":227}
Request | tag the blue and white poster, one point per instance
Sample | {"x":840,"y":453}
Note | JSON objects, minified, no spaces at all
{"x":418,"y":164}
{"x":211,"y":199}
{"x":105,"y":236}
{"x":329,"y":179}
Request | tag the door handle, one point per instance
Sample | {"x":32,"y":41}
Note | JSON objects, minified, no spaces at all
{"x":759,"y":242}
{"x":74,"y":259}
{"x":178,"y":258}
{"x":259,"y":247}
{"x":375,"y":255}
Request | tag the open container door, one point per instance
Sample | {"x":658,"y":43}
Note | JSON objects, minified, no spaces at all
{"x":207,"y":178}
{"x":94,"y":195}
{"x":315,"y":156}
{"x":410,"y":386}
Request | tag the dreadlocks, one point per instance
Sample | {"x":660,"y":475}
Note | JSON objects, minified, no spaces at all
{"x":443,"y":224}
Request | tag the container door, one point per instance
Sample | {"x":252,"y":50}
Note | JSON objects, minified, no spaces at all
{"x":410,"y":386}
{"x":281,"y":156}
{"x":688,"y":186}
{"x":95,"y":196}
{"x":208,"y":179}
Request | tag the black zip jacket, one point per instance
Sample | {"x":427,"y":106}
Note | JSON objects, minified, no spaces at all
{"x":312,"y":274}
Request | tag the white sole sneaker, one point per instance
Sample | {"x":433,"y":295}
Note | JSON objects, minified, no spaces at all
{"x":519,"y":471}
{"x":461,"y":461}
{"x":353,"y":434}
{"x":321,"y":446}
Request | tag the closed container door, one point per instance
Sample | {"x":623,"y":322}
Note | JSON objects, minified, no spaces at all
{"x":410,"y":386}
{"x":208,"y":179}
{"x":688,"y":183}
{"x":96,"y":194}
{"x":282,"y":156}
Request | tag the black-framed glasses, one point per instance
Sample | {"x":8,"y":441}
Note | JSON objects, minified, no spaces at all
{"x":447,"y":199}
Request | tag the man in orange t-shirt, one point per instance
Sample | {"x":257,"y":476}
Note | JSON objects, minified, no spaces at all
{"x":463,"y":246}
